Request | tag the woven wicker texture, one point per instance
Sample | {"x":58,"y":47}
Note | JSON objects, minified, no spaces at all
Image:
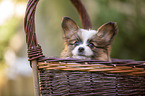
{"x":64,"y":83}
{"x":129,"y":67}
{"x":63,"y":77}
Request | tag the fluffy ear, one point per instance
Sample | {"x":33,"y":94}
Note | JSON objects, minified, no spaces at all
{"x":69,"y":26}
{"x":108,"y":31}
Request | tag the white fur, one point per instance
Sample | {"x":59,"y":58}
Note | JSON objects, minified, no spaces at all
{"x":86,"y":34}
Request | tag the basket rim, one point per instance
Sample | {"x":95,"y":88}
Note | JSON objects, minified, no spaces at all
{"x":127,"y":66}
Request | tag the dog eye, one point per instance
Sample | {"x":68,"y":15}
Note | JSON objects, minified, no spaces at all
{"x":76,"y":43}
{"x":91,"y":45}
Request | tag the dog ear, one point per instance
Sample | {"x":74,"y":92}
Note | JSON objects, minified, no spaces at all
{"x":107,"y":32}
{"x":69,"y":26}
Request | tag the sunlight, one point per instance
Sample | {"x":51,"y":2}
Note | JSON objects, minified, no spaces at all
{"x":8,"y":8}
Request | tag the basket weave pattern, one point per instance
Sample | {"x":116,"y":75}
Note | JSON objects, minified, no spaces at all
{"x":64,"y":77}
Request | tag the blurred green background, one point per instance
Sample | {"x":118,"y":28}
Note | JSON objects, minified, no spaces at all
{"x":15,"y":72}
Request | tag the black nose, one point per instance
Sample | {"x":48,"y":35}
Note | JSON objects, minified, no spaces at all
{"x":81,"y":49}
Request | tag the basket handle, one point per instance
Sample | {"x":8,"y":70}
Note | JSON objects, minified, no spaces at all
{"x":34,"y":49}
{"x":85,"y":20}
{"x":29,"y":23}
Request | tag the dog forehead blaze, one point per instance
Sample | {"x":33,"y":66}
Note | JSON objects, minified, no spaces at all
{"x":85,"y":35}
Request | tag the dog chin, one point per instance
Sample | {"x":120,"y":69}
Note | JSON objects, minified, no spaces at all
{"x":81,"y":57}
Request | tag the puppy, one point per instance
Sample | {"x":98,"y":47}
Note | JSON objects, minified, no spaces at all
{"x":88,"y":44}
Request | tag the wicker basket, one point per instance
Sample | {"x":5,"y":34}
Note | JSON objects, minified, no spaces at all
{"x":85,"y":78}
{"x":72,"y":77}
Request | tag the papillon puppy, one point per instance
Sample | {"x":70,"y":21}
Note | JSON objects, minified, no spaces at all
{"x":88,"y":44}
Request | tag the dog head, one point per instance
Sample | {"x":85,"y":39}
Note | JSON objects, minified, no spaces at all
{"x":87,"y":43}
